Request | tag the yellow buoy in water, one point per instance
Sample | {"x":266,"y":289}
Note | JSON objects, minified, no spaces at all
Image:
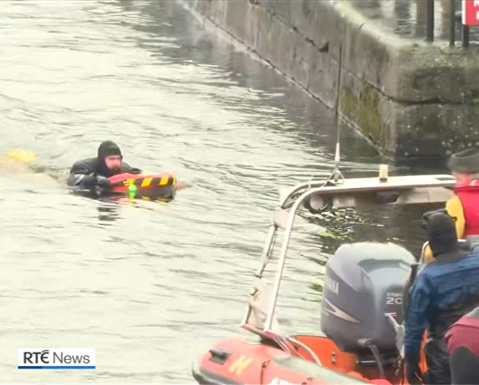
{"x":21,"y":156}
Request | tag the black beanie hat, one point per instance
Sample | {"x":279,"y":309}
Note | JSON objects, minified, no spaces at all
{"x":466,"y":161}
{"x":108,"y":148}
{"x":441,"y":233}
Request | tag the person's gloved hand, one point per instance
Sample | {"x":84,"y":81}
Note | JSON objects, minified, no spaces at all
{"x":103,"y":182}
{"x":413,"y":373}
{"x":89,"y":181}
{"x":135,"y":170}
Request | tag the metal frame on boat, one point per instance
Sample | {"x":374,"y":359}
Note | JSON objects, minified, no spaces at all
{"x":336,"y":191}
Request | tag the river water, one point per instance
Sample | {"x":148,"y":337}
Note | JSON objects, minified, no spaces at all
{"x":150,"y":285}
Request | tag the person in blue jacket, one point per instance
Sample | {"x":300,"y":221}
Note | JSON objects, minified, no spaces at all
{"x":443,"y":291}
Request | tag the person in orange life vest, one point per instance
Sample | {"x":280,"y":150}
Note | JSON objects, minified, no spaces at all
{"x":464,"y":205}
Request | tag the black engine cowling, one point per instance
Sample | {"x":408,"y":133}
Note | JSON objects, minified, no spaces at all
{"x":364,"y":282}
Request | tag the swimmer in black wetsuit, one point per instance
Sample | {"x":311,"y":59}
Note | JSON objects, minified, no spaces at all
{"x":93,"y":173}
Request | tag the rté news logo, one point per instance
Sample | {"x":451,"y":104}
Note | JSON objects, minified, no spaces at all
{"x":57,"y":358}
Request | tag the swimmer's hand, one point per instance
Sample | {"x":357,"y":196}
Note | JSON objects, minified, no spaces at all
{"x":93,"y":180}
{"x":102,"y":182}
{"x":89,"y":181}
{"x":135,"y":170}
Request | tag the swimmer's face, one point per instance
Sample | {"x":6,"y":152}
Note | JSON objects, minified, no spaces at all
{"x":113,"y":162}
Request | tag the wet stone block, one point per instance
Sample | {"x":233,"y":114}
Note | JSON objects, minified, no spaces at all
{"x":201,"y":6}
{"x":269,"y":30}
{"x":367,"y":109}
{"x":365,"y":55}
{"x":436,"y":129}
{"x":235,"y":18}
{"x":432,"y":74}
{"x":302,"y":14}
{"x":220,"y":12}
{"x":303,"y":57}
{"x":282,"y":11}
{"x":252,"y":26}
{"x":285,"y":48}
{"x":326,"y":30}
{"x":323,"y":77}
{"x":267,"y":5}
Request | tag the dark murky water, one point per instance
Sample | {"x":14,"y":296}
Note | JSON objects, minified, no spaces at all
{"x":150,"y":285}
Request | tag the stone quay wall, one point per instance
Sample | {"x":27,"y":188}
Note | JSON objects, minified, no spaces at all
{"x":408,"y":97}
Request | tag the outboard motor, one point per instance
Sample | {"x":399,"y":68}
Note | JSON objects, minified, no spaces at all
{"x":364,"y":282}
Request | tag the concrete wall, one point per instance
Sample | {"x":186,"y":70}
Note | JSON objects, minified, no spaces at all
{"x":407,"y":97}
